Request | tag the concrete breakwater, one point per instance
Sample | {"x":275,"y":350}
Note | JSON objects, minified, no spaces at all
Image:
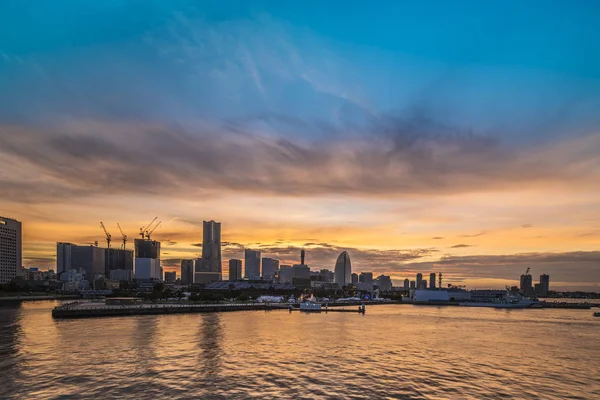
{"x":91,"y":309}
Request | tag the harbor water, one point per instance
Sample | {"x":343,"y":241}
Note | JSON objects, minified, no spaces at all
{"x":393,"y":351}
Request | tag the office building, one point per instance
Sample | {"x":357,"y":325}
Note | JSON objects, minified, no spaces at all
{"x":187,"y":272}
{"x":209,"y":268}
{"x":235,"y":270}
{"x":365,"y":281}
{"x":354,"y":278}
{"x":366,"y":277}
{"x":343,"y":270}
{"x":147,"y":260}
{"x":526,"y":284}
{"x":406,"y":284}
{"x":384,"y":283}
{"x":252,"y":264}
{"x":419,"y":280}
{"x":544,"y":287}
{"x":412,"y":285}
{"x":270,"y":268}
{"x":432,"y":280}
{"x":91,"y":260}
{"x":119,"y":260}
{"x":286,"y":274}
{"x":170,"y":277}
{"x":11,"y":239}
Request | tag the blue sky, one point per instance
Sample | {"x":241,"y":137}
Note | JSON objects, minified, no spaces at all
{"x":452,"y":128}
{"x":512,"y":69}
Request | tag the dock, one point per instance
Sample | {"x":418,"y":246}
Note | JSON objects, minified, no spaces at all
{"x":100,"y":309}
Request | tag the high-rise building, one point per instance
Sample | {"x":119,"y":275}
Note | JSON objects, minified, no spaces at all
{"x":526,"y":286}
{"x":187,"y":272}
{"x":147,"y":260}
{"x":209,"y":268}
{"x":270,"y":268}
{"x":90,"y":259}
{"x":432,"y":280}
{"x":252,"y":264}
{"x":544,"y":285}
{"x":286,"y":274}
{"x":384,"y":283}
{"x":406,"y":284}
{"x":235,"y":270}
{"x":365,"y":281}
{"x":343,"y":270}
{"x":170,"y":277}
{"x":412,"y":285}
{"x":354,"y":278}
{"x":419,"y":280}
{"x":119,"y":260}
{"x":11,"y":237}
{"x":366,"y":277}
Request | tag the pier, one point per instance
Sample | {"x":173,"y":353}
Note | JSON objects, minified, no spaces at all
{"x":100,"y":309}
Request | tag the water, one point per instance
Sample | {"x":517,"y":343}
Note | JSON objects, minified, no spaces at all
{"x":394,"y":351}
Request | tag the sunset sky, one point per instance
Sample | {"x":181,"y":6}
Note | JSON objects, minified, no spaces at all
{"x":460,"y":137}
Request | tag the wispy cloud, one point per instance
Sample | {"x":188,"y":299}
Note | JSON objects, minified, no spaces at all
{"x":461,"y":246}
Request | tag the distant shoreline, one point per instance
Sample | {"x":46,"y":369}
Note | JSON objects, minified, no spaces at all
{"x":37,"y":298}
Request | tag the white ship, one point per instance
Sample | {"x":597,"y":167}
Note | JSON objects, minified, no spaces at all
{"x":510,"y":300}
{"x":310,"y":306}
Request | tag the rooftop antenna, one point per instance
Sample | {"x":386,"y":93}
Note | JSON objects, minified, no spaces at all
{"x":302,"y":254}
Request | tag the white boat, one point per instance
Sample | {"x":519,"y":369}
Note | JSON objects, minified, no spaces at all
{"x":510,"y":300}
{"x":310,"y":306}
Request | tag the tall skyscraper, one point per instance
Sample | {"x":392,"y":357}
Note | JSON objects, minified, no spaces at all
{"x":432,"y":280}
{"x":10,"y":249}
{"x":419,"y":280}
{"x":252,"y":264}
{"x":270,"y":268}
{"x":343,"y":270}
{"x":526,"y":286}
{"x":235,"y":270}
{"x":147,"y":260}
{"x":354,"y":278}
{"x":544,"y":284}
{"x":209,"y":268}
{"x":406,"y":284}
{"x":187,"y":272}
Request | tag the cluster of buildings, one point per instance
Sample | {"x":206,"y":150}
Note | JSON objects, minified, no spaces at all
{"x":84,"y":267}
{"x":419,"y":283}
{"x":527,"y":288}
{"x":254,"y":267}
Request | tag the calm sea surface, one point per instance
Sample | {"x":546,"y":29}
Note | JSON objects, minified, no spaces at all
{"x":394,"y":351}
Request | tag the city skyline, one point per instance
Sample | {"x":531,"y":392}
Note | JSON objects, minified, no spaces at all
{"x":444,"y":146}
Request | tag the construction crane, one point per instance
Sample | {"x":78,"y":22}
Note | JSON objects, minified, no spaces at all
{"x":149,"y":232}
{"x":124,"y":236}
{"x":107,"y":235}
{"x":144,"y":229}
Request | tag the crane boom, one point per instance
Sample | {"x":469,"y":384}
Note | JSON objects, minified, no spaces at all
{"x":108,"y":237}
{"x":124,"y":236}
{"x":149,"y":232}
{"x":143,"y":229}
